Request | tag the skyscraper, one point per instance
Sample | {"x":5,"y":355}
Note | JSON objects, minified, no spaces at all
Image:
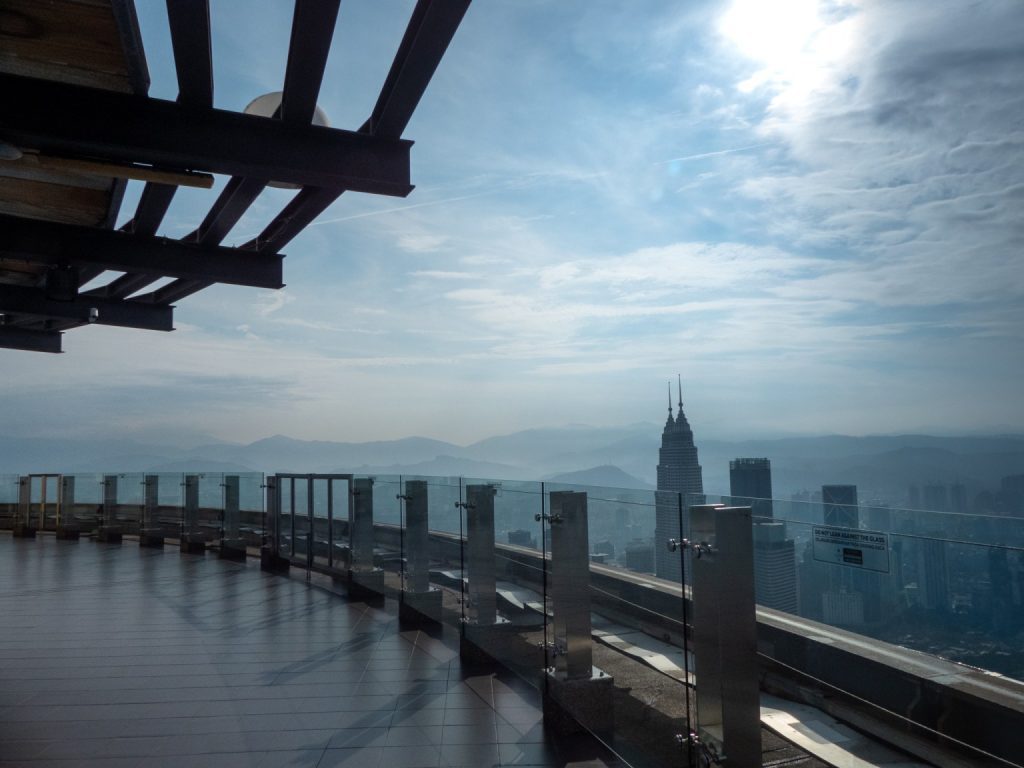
{"x":774,"y":567}
{"x":750,"y":484}
{"x":678,"y":473}
{"x":840,"y":505}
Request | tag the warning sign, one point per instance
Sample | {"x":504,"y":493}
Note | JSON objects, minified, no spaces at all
{"x":867,"y":550}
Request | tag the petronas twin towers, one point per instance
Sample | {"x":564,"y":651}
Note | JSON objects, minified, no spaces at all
{"x":679,"y":472}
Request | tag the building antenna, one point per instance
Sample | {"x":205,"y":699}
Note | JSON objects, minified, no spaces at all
{"x":680,"y":391}
{"x":670,"y":399}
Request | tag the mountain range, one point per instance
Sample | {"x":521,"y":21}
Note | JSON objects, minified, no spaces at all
{"x":881,"y":466}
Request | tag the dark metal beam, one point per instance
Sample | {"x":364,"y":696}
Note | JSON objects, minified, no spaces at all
{"x":430,"y":30}
{"x":152,"y":207}
{"x":293,"y":218}
{"x":72,"y":120}
{"x":128,"y":314}
{"x":312,"y":31}
{"x":232,"y":203}
{"x":189,"y":21}
{"x":45,"y":242}
{"x":31,"y":341}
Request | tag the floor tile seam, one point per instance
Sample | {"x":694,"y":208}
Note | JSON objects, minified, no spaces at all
{"x":217,"y":732}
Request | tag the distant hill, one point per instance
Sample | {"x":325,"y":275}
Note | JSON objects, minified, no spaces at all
{"x":606,"y":475}
{"x":882,"y":467}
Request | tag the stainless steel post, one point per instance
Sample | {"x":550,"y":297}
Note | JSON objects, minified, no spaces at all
{"x":725,"y":633}
{"x":151,"y":501}
{"x":191,"y":517}
{"x":110,"y":500}
{"x":417,"y":539}
{"x":25,"y":500}
{"x":66,"y":501}
{"x":361,"y":525}
{"x":483,"y":600}
{"x":570,"y":585}
{"x":231,"y":504}
{"x":273,"y":503}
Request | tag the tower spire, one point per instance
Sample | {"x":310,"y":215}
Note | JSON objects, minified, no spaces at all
{"x":670,"y":399}
{"x":680,"y":392}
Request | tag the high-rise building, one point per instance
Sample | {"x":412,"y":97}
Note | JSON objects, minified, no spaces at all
{"x":840,"y":505}
{"x":640,"y":556}
{"x":774,"y":567}
{"x":678,"y":473}
{"x":750,"y":484}
{"x":936,"y":498}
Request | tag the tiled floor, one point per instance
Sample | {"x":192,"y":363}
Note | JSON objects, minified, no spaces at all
{"x":119,"y":656}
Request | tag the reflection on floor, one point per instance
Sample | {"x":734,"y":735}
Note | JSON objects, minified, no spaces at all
{"x":111,"y":655}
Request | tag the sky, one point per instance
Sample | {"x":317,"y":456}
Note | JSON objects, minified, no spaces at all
{"x":811,"y":210}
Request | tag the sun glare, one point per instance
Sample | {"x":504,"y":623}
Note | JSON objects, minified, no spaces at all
{"x":782,"y":36}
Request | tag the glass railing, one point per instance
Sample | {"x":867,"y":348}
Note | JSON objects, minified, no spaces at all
{"x":491,"y":559}
{"x":947,"y":584}
{"x":211,"y":507}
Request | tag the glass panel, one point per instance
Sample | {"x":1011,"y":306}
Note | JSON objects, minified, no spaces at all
{"x":340,"y":499}
{"x":320,"y":532}
{"x":387,"y":530}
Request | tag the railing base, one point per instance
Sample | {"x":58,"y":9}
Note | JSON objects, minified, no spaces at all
{"x":232,"y":550}
{"x":64,"y":533}
{"x":272,"y":563}
{"x":22,"y":531}
{"x":366,"y":586}
{"x":151,"y":539}
{"x":191,"y":546}
{"x":419,"y":608}
{"x":573,"y":706}
{"x":109,"y":534}
{"x":491,"y":643}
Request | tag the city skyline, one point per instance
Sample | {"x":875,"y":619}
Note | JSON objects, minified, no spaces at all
{"x":811,"y":214}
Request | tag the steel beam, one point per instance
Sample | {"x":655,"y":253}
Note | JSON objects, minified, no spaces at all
{"x":299,"y":213}
{"x":73,"y":120}
{"x":54,"y":243}
{"x":152,"y":207}
{"x":570,"y":584}
{"x":312,"y":31}
{"x":482,"y":590}
{"x":430,"y":30}
{"x":189,"y":22}
{"x":29,"y":340}
{"x":127,"y":314}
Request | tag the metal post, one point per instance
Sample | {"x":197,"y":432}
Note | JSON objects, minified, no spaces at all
{"x":570,"y":585}
{"x":273,"y":503}
{"x":191,"y":504}
{"x":417,"y":539}
{"x":110,"y":500}
{"x":725,"y":634}
{"x":43,"y":483}
{"x":576,"y":693}
{"x":310,"y":531}
{"x":231,"y":507}
{"x":361,"y":525}
{"x":151,"y":501}
{"x":24,"y":499}
{"x":151,"y":533}
{"x":483,"y":600}
{"x":66,"y":501}
{"x":330,"y":524}
{"x":22,"y":523}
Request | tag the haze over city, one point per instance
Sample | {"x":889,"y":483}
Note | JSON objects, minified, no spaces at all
{"x":809,"y":209}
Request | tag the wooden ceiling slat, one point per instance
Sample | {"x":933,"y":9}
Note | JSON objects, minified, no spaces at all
{"x":66,"y":41}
